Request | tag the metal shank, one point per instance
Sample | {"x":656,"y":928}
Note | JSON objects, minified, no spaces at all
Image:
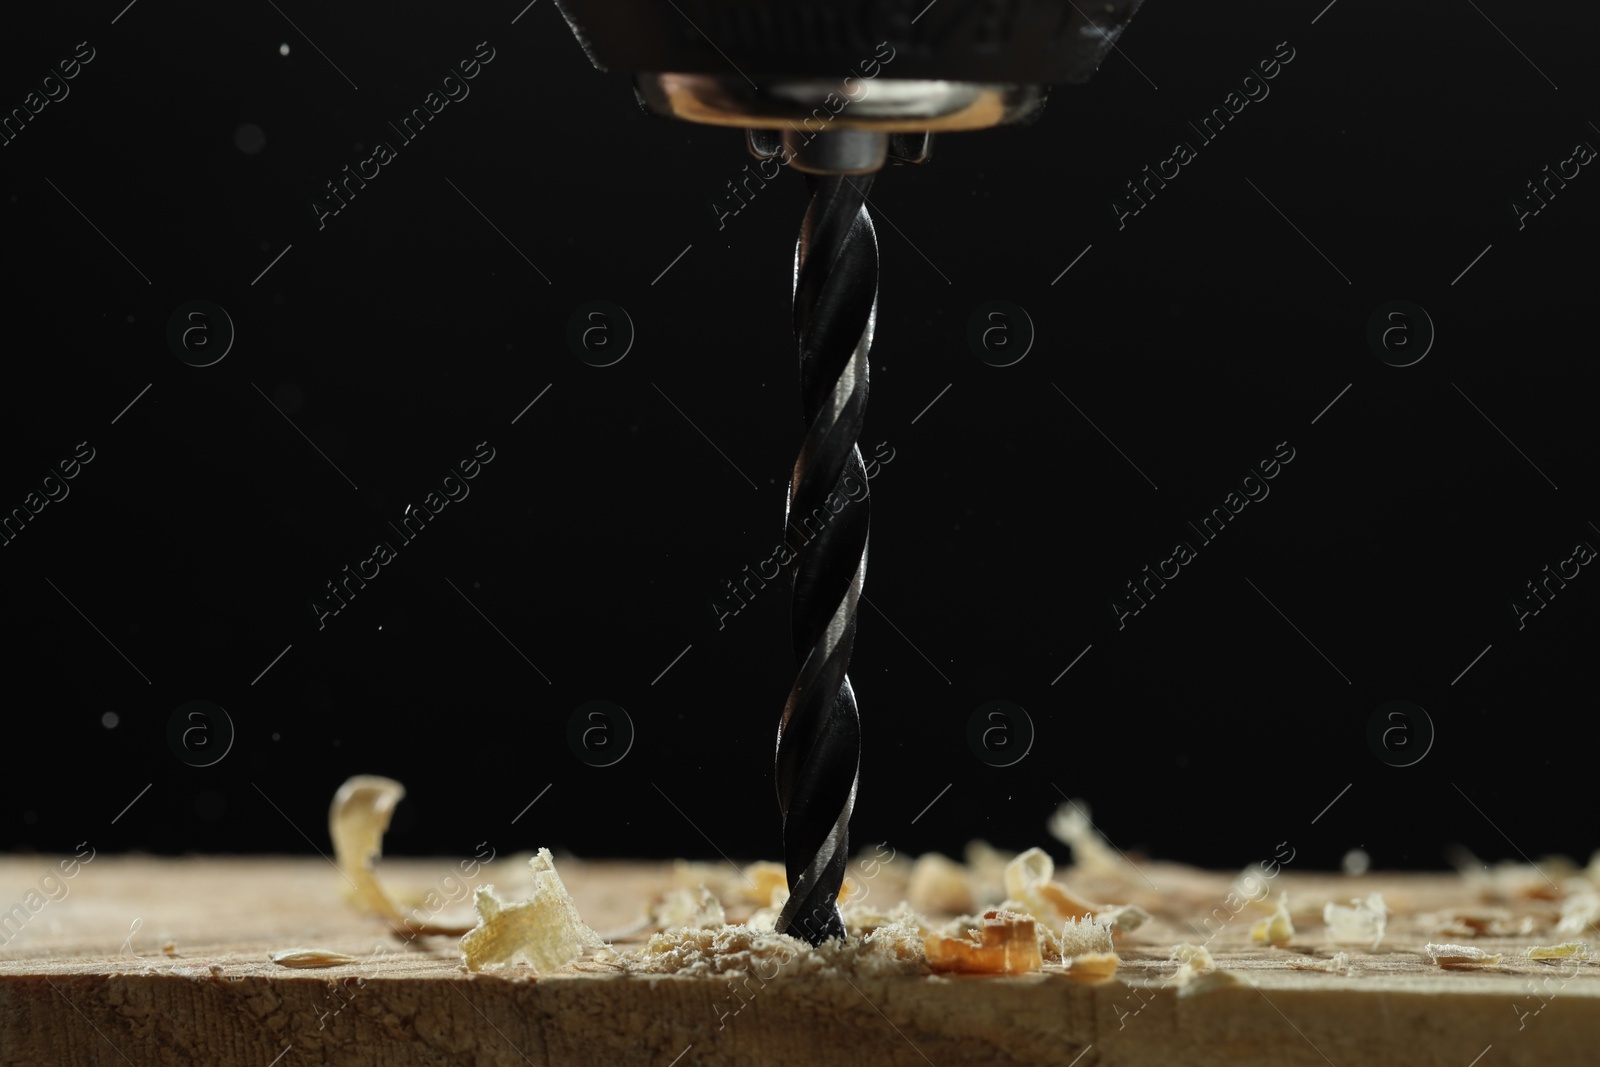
{"x":819,"y":738}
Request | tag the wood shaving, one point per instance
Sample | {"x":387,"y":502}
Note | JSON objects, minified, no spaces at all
{"x":1460,"y":955}
{"x":1006,"y":943}
{"x":765,"y":883}
{"x":1091,"y":852}
{"x":1084,"y":948}
{"x":1276,"y":929}
{"x":1197,"y":971}
{"x":988,"y":867}
{"x":1478,"y":922}
{"x":1082,"y":937}
{"x":357,"y":820}
{"x":310,"y":957}
{"x":1123,"y":918}
{"x":544,"y":930}
{"x":940,"y":886}
{"x":1192,"y":960}
{"x":1094,"y":966}
{"x":698,"y":908}
{"x":768,"y":885}
{"x":1249,"y":887}
{"x":1579,"y":912}
{"x":1565,"y":950}
{"x":1028,"y":880}
{"x":1361,"y":920}
{"x":1514,"y":881}
{"x":863,"y":918}
{"x":1338,"y":963}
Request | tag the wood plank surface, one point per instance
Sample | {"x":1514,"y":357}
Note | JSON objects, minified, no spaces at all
{"x":154,"y":962}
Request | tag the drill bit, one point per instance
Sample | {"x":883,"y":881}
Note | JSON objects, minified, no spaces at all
{"x":819,"y":736}
{"x":968,"y":69}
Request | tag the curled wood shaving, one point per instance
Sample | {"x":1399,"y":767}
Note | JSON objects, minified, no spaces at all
{"x":1030,"y":889}
{"x":357,"y":821}
{"x":1028,"y":880}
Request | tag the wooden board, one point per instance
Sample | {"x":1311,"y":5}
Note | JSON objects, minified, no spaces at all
{"x":84,"y":979}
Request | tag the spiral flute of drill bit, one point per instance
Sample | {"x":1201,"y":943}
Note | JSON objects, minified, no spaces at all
{"x":819,"y":738}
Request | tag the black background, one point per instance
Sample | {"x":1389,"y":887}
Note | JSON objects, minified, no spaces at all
{"x":1221,"y":320}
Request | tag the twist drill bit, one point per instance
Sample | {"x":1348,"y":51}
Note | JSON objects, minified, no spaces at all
{"x":819,"y":736}
{"x":967,"y":67}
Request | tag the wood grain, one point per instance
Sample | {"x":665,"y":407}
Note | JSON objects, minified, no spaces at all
{"x":84,"y":979}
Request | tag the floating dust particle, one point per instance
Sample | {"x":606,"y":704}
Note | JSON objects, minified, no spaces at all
{"x":1460,"y":955}
{"x":1355,"y":862}
{"x":357,"y":820}
{"x":1360,"y":920}
{"x":1276,"y":929}
{"x":1007,"y":942}
{"x":1565,"y":950}
{"x":309,"y":957}
{"x":544,"y":931}
{"x":940,"y":886}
